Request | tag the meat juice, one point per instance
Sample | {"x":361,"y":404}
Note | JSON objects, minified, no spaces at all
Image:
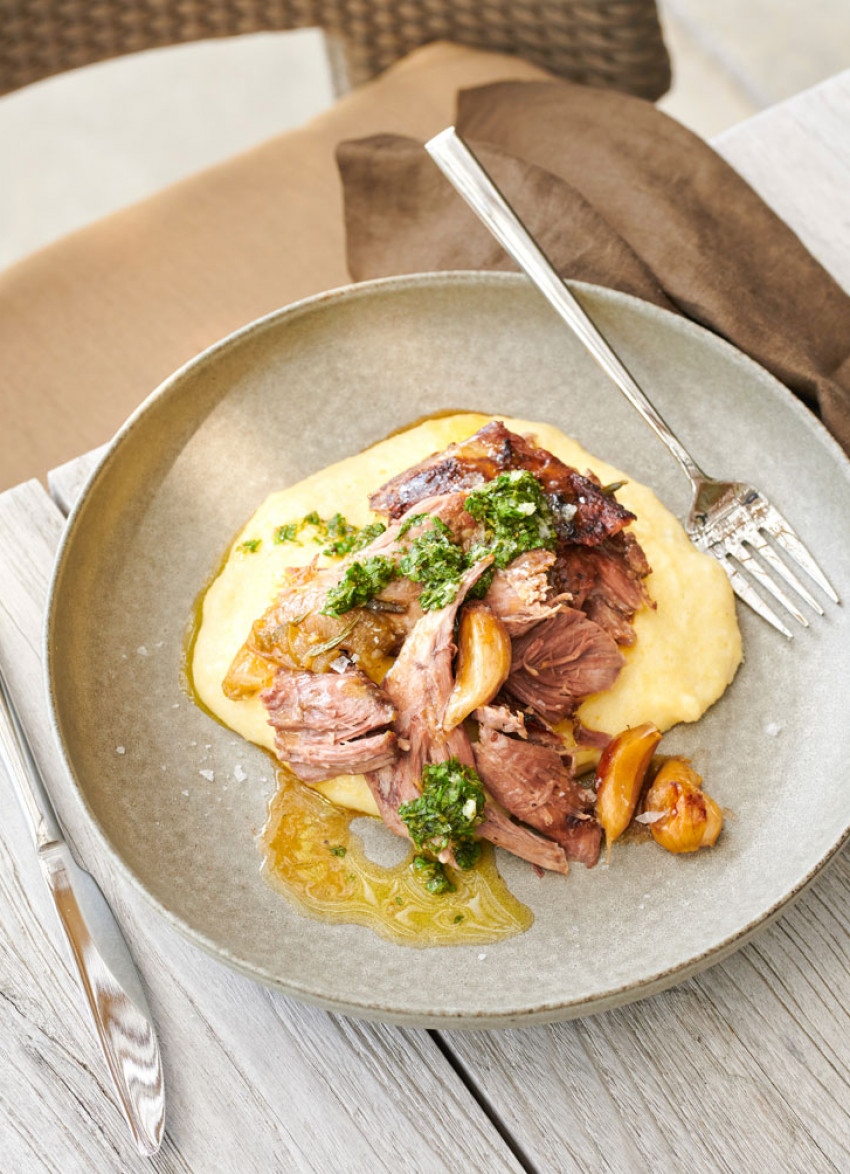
{"x":312,"y":856}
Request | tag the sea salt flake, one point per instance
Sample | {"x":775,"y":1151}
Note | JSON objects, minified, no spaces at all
{"x":772,"y":729}
{"x":141,"y":650}
{"x":186,"y":793}
{"x":481,"y":957}
{"x":209,"y":775}
{"x":239,"y":774}
{"x":120,"y":750}
{"x":649,"y":817}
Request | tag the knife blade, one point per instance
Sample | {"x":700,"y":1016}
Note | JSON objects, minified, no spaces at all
{"x":107,"y":973}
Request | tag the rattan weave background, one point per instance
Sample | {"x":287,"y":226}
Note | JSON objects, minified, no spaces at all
{"x":615,"y":43}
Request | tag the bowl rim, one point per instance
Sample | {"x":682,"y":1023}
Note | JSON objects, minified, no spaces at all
{"x":374,"y":1010}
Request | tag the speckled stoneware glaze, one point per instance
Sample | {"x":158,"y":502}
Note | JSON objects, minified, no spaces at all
{"x":323,"y":379}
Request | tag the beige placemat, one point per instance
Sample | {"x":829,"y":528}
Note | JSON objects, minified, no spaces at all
{"x":90,"y":325}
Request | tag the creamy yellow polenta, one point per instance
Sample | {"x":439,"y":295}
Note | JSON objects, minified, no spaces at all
{"x":686,"y":652}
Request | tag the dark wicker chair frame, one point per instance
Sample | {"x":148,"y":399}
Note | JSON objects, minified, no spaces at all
{"x":613,"y":43}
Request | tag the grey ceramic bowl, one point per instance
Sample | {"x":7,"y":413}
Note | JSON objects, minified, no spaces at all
{"x":325,"y":378}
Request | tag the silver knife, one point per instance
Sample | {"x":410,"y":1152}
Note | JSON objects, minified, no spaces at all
{"x":108,"y":975}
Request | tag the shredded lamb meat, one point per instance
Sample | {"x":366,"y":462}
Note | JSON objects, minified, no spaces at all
{"x":598,"y":563}
{"x":559,"y":662}
{"x":518,"y":594}
{"x":566,"y":611}
{"x":592,"y":515}
{"x":606,"y":582}
{"x":293,"y":633}
{"x":533,"y":784}
{"x":328,"y":724}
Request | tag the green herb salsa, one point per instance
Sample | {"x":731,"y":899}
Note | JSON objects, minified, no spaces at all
{"x":444,"y":818}
{"x":516,"y":518}
{"x":346,"y":538}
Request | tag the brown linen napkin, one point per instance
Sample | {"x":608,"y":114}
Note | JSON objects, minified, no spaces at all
{"x":621,"y":195}
{"x":90,"y":325}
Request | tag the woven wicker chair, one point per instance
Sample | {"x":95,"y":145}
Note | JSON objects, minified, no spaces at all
{"x":614,"y":43}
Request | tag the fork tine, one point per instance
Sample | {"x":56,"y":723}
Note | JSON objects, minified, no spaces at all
{"x":775,"y":525}
{"x":766,"y":551}
{"x":745,"y":591}
{"x":753,"y":567}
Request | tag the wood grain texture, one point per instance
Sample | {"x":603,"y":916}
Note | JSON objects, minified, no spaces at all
{"x":797,"y":157}
{"x":254,"y":1081}
{"x":65,"y":483}
{"x":746,"y":1067}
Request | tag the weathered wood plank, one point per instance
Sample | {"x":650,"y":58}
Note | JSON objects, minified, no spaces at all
{"x":65,"y":483}
{"x":797,"y":157}
{"x":735,"y":1070}
{"x":255,"y":1081}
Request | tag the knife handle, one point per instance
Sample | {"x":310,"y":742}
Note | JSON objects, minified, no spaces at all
{"x":124,"y":1027}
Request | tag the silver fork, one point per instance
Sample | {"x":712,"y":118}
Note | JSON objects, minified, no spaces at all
{"x":729,"y":519}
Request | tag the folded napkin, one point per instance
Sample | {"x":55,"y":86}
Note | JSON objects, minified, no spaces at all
{"x":619,"y":194}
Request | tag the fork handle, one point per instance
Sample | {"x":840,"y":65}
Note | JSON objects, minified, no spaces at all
{"x":474,"y":184}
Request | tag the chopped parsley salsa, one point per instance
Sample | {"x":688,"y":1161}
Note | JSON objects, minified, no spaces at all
{"x":435,"y":560}
{"x":445,"y":815}
{"x":360,"y":583}
{"x":516,"y":518}
{"x":343,"y":537}
{"x":250,"y":545}
{"x":355,"y":539}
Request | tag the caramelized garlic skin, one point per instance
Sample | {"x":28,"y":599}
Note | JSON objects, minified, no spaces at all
{"x":311,"y":855}
{"x":689,"y":819}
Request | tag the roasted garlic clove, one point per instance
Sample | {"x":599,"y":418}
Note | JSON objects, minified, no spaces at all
{"x":483,"y":663}
{"x":691,"y":819}
{"x":620,"y":775}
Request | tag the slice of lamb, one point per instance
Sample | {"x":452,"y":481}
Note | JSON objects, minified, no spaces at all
{"x":526,"y":725}
{"x":346,"y":704}
{"x":531,"y":782}
{"x":560,"y":661}
{"x":328,"y":724}
{"x":586,"y":737}
{"x":500,"y":829}
{"x":499,"y":717}
{"x":519,"y":592}
{"x":419,"y":685}
{"x":606,"y":583}
{"x":585,"y":513}
{"x":315,"y":757}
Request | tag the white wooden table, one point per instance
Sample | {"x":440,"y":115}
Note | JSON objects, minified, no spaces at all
{"x":746,"y":1068}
